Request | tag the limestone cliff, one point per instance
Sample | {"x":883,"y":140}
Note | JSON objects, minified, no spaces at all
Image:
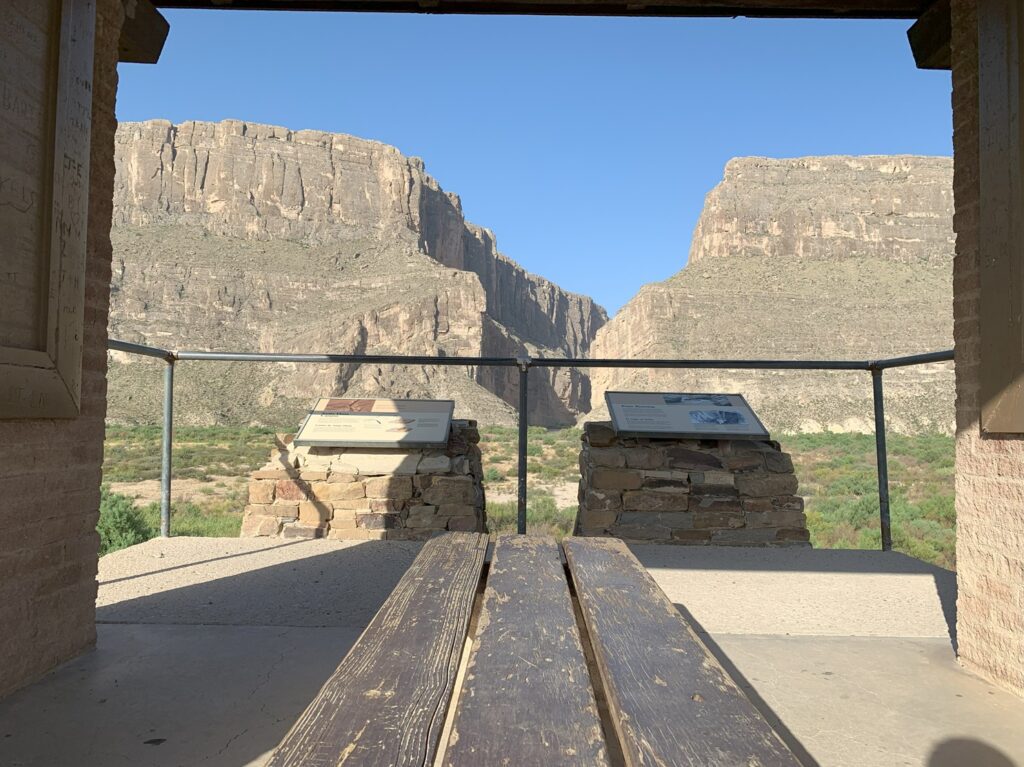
{"x":252,"y":237}
{"x":811,"y":258}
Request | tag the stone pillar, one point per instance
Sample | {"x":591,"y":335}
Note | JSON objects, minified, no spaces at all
{"x":719,"y":492}
{"x":361,"y":494}
{"x":49,"y":548}
{"x":989,"y":472}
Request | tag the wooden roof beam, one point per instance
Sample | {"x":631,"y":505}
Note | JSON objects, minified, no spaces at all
{"x":143,"y":33}
{"x":888,"y":9}
{"x":931,"y":37}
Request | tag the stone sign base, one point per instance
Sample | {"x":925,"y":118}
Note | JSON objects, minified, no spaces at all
{"x":701,"y":492}
{"x":359,"y":493}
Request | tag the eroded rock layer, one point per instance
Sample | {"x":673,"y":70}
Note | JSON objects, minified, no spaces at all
{"x":235,"y":236}
{"x":811,"y":258}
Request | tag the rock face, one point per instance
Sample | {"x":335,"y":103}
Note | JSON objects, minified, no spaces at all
{"x":235,"y":236}
{"x":253,"y":237}
{"x":812,"y":258}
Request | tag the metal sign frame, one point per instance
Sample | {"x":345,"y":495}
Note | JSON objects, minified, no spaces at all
{"x":397,"y":444}
{"x":760,"y":433}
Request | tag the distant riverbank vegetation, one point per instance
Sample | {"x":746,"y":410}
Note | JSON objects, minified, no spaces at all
{"x":836,"y":472}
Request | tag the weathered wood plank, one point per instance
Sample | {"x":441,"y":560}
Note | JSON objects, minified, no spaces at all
{"x":669,"y":699}
{"x":387,"y":701}
{"x":527,"y":697}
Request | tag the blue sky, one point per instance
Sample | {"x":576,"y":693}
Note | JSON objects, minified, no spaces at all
{"x":586,"y":145}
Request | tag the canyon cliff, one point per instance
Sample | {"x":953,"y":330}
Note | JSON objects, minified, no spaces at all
{"x":809,"y":258}
{"x":237,"y":236}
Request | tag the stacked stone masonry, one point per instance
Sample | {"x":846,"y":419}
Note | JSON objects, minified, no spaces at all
{"x":699,"y":492}
{"x":368,"y":494}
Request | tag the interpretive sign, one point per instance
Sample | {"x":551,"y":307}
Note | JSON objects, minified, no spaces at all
{"x":683,"y":416}
{"x":388,"y":423}
{"x":46,"y":70}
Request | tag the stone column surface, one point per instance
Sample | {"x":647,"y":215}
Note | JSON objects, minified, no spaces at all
{"x":50,"y":469}
{"x":989,"y":472}
{"x":368,"y":494}
{"x":687,"y":491}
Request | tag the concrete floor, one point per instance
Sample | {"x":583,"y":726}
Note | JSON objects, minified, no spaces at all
{"x":210,"y":648}
{"x":850,"y":654}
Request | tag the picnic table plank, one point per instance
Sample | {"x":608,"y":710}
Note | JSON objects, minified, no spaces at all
{"x":387,"y":701}
{"x":669,"y":699}
{"x":527,"y":697}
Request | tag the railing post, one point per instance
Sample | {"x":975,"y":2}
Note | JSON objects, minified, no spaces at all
{"x":165,"y":450}
{"x":524,"y":370}
{"x":882,"y":460}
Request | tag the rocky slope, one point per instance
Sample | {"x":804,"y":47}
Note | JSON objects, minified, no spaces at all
{"x":236,"y":236}
{"x":812,"y":258}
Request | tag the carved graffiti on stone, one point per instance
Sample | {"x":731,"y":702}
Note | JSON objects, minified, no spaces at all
{"x":46,"y":62}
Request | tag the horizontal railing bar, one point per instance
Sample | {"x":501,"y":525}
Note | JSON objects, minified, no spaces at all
{"x":147,"y":351}
{"x":381,"y":359}
{"x":554,"y":362}
{"x":547,"y":362}
{"x":913,"y":359}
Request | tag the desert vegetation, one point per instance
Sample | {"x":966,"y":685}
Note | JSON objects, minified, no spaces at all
{"x":836,"y":471}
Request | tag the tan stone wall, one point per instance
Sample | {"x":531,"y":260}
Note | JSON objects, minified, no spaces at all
{"x":687,"y":491}
{"x":989,"y":472}
{"x":49,"y":547}
{"x":360,"y":494}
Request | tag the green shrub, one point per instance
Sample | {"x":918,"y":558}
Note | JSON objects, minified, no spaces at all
{"x":543,"y":517}
{"x":132,"y":453}
{"x":212,"y":519}
{"x":493,"y":475}
{"x":121,"y":523}
{"x":838,"y":479}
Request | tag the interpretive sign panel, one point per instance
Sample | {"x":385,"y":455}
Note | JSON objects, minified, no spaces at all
{"x":683,"y":416}
{"x":388,"y":423}
{"x":46,"y":70}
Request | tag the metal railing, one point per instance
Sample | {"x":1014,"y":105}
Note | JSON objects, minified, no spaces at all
{"x":524,"y":365}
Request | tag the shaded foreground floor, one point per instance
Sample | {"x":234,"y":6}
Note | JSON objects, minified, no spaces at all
{"x":209,"y":649}
{"x":848,"y":653}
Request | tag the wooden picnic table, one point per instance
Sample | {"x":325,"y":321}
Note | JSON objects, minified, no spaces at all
{"x":534,"y":660}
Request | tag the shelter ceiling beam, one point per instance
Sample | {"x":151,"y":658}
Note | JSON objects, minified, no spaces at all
{"x":931,"y":37}
{"x":893,"y":9}
{"x":143,"y":33}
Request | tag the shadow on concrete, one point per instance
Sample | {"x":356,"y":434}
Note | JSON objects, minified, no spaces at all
{"x":773,"y":719}
{"x":199,"y":562}
{"x":340,"y":587}
{"x":212,"y":673}
{"x":966,"y":752}
{"x":808,"y":560}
